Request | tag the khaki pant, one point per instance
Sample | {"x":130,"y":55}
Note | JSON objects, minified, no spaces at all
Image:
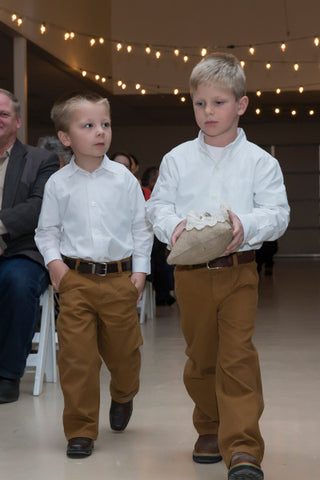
{"x":98,"y":318}
{"x":222,"y":373}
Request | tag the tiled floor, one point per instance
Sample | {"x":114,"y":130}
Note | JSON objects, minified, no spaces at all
{"x":158,"y":442}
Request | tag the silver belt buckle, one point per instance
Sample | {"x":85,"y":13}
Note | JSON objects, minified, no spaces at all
{"x":93,"y":269}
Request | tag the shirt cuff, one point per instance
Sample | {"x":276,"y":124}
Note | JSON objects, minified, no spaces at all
{"x":51,"y":255}
{"x":140,"y":264}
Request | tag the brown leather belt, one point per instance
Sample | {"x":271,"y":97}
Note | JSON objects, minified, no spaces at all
{"x":102,"y":269}
{"x":228,"y":261}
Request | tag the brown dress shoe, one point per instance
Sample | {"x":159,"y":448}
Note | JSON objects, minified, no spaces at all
{"x":244,"y":467}
{"x":120,"y":414}
{"x":206,"y":449}
{"x":80,"y":447}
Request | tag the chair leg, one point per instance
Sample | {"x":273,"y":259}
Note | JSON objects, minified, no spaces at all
{"x":43,"y":343}
{"x":51,"y":359}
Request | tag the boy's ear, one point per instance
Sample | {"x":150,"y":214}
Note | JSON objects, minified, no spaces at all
{"x":64,"y":138}
{"x":242,"y":105}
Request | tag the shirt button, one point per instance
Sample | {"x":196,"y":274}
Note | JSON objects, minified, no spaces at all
{"x":93,"y":204}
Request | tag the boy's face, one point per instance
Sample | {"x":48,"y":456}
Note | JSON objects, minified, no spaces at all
{"x":217,"y":113}
{"x":89,"y":134}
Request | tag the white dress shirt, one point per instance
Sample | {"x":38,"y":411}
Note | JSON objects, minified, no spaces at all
{"x":97,"y":216}
{"x":195,"y":176}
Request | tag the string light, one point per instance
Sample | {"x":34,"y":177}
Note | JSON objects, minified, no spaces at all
{"x":119,"y":46}
{"x":242,"y":63}
{"x":158,"y":54}
{"x":283,"y":46}
{"x":119,"y":83}
{"x":203,"y":52}
{"x":92,"y":42}
{"x":258,"y":111}
{"x":277,"y":110}
{"x":143,"y":91}
{"x":185,"y":58}
{"x":148,"y":50}
{"x":311,"y":112}
{"x":84,"y":73}
{"x":316,"y":41}
{"x":123,"y":86}
{"x":101,"y":40}
{"x":42,"y":28}
{"x":258,"y":93}
{"x":138,"y":86}
{"x":72,"y":35}
{"x":19,"y":22}
{"x":176,"y":52}
{"x":66,"y":36}
{"x":293,"y":112}
{"x":129,"y":48}
{"x":296,"y":67}
{"x":176,"y":91}
{"x":14,"y":17}
{"x":103,"y":79}
{"x":97,"y":77}
{"x":301,"y":89}
{"x":251,"y":50}
{"x":278,"y":91}
{"x":183,"y":99}
{"x":268,"y":66}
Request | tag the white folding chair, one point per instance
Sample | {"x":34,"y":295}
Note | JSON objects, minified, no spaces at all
{"x":44,"y":360}
{"x":147,"y":303}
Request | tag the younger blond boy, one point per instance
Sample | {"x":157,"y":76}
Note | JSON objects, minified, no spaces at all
{"x":218,"y":300}
{"x":93,"y":235}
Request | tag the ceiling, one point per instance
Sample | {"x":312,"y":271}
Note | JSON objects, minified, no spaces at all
{"x":188,"y":22}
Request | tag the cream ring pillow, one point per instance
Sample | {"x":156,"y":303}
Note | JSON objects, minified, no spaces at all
{"x":205,"y":238}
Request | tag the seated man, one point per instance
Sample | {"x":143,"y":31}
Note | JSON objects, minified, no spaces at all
{"x":24,"y":171}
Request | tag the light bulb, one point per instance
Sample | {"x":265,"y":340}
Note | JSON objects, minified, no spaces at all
{"x":311,"y":112}
{"x":143,"y":91}
{"x":119,"y":46}
{"x":293,"y":112}
{"x":158,"y":54}
{"x":72,"y":35}
{"x":123,"y":86}
{"x":42,"y":28}
{"x":316,"y":41}
{"x":278,"y":90}
{"x":258,"y":111}
{"x":66,"y":36}
{"x":101,"y":40}
{"x":138,"y":86}
{"x":176,"y":91}
{"x":148,"y":50}
{"x":258,"y":93}
{"x":84,"y":73}
{"x":176,"y":52}
{"x":277,"y":110}
{"x":251,"y":50}
{"x":242,"y":63}
{"x":268,"y":66}
{"x":129,"y":48}
{"x":185,"y":58}
{"x":296,"y":66}
{"x":14,"y":17}
{"x":119,"y":83}
{"x":301,"y":89}
{"x":283,"y":46}
{"x":183,"y":99}
{"x":19,"y":22}
{"x":203,"y":52}
{"x":92,"y":42}
{"x":97,"y":77}
{"x":103,"y":79}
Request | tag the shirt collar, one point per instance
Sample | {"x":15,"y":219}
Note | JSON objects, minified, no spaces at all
{"x":6,"y":154}
{"x":73,"y":167}
{"x":240,"y":137}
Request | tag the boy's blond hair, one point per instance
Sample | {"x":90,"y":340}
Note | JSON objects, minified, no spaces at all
{"x":62,"y":109}
{"x":223,"y":68}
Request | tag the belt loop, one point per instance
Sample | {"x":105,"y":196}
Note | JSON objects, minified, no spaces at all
{"x":235,"y":260}
{"x":76,"y":266}
{"x":119,"y":267}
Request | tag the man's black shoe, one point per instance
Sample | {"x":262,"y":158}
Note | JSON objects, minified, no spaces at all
{"x":9,"y":389}
{"x":120,"y":414}
{"x":80,"y":447}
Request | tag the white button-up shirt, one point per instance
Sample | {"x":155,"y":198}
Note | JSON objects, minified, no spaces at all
{"x":195,"y":176}
{"x":98,"y":216}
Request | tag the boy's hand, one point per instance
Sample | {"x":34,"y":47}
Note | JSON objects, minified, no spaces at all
{"x":177,"y":231}
{"x":57,"y":269}
{"x":138,"y":279}
{"x":238,"y":234}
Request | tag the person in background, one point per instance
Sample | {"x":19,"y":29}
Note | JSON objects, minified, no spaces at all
{"x":53,"y":144}
{"x":96,"y":243}
{"x":148,"y":181}
{"x":123,"y":158}
{"x":264,"y":256}
{"x":218,"y":299}
{"x":24,"y":171}
{"x":134,"y":165}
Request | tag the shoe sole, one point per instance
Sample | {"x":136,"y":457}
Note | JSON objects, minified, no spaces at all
{"x":245,"y":472}
{"x":203,"y":458}
{"x":79,"y":454}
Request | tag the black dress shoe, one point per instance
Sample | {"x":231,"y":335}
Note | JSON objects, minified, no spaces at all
{"x":120,"y":414}
{"x":244,"y":466}
{"x":80,"y":447}
{"x":206,"y":449}
{"x":9,"y":389}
